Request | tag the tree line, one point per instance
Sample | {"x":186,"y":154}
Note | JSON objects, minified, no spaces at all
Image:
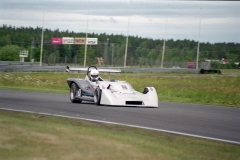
{"x":13,"y":39}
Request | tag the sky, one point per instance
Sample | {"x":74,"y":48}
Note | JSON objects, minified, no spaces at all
{"x":204,"y":21}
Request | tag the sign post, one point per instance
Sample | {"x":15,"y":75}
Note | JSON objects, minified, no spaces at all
{"x":56,"y":40}
{"x":67,"y":40}
{"x":92,"y":41}
{"x":22,"y":55}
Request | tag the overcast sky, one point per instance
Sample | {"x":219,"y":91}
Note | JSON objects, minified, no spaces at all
{"x":216,"y":21}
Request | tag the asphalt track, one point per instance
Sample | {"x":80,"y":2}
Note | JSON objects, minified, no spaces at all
{"x":203,"y":121}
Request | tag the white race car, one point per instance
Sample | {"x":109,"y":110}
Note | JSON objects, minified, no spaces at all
{"x":108,"y":92}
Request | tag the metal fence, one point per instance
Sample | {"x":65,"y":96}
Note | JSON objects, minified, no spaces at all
{"x":10,"y":66}
{"x":117,"y":62}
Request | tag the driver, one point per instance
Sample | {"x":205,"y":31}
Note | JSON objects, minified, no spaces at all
{"x":94,"y":75}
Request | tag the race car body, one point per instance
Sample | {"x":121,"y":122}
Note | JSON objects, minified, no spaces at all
{"x":109,"y":92}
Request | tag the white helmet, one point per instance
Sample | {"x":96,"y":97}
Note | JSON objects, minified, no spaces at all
{"x":94,"y":75}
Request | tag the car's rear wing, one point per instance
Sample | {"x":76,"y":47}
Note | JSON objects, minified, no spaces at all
{"x":68,"y":69}
{"x":87,"y":70}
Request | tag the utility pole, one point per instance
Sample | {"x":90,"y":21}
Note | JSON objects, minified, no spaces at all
{"x":163,"y":53}
{"x":126,"y":47}
{"x":32,"y":51}
{"x":198,"y":40}
{"x":42,"y":41}
{"x":164,"y":41}
{"x":112,"y":44}
{"x":85,"y":53}
{"x":106,"y":51}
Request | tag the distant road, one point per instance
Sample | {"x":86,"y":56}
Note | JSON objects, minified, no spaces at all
{"x":211,"y":122}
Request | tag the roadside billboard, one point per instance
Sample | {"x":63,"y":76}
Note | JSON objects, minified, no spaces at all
{"x":67,"y":40}
{"x":76,"y":40}
{"x":92,"y":41}
{"x":56,"y":40}
{"x":79,"y":40}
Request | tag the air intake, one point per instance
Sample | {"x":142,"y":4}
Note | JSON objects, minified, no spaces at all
{"x":134,"y":103}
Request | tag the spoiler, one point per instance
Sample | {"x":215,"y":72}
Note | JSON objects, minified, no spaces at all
{"x":68,"y":69}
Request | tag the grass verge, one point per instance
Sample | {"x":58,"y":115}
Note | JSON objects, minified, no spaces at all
{"x":39,"y":137}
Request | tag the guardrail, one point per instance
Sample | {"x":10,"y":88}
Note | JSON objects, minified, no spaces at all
{"x":7,"y":66}
{"x":4,"y":63}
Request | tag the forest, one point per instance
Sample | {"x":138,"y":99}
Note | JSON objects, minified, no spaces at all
{"x":140,"y":51}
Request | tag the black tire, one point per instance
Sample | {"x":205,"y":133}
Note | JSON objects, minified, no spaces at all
{"x":97,"y":96}
{"x":73,"y":93}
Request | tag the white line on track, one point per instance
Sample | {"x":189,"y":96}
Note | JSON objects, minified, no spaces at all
{"x":122,"y":124}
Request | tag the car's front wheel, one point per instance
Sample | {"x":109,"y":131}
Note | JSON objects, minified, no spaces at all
{"x":74,"y":91}
{"x":97,"y":96}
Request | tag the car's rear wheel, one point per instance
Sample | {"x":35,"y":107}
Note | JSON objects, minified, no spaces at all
{"x":97,"y":96}
{"x":74,"y":91}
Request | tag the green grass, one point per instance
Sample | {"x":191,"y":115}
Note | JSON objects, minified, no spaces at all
{"x":213,"y":89}
{"x":26,"y":136}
